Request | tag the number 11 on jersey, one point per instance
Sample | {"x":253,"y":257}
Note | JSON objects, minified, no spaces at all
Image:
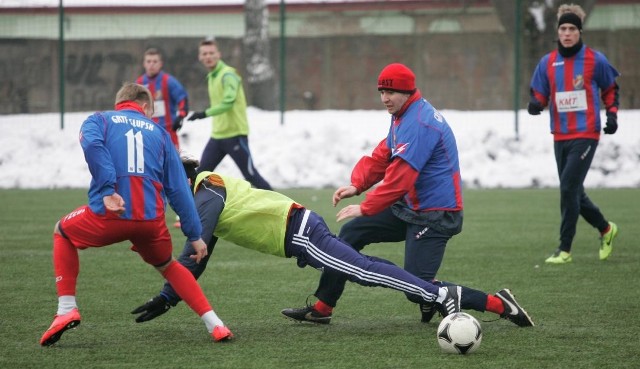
{"x":135,"y":152}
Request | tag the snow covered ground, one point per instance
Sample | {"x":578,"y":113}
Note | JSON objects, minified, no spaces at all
{"x":317,"y":149}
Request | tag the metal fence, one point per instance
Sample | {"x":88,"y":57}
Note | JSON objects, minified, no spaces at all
{"x":325,"y":57}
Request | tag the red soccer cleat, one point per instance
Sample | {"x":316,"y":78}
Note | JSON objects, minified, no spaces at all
{"x":60,"y":324}
{"x":221,"y":333}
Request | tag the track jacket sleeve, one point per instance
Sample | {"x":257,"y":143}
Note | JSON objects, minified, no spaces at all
{"x":179,"y":95}
{"x":178,"y":193}
{"x":399,"y":179}
{"x":96,"y":154}
{"x":540,"y":89}
{"x":370,"y":170}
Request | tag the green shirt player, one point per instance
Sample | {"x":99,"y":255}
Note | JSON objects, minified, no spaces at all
{"x":230,"y":127}
{"x":269,"y":222}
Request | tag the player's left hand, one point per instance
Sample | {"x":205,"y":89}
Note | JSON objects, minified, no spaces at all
{"x":350,"y":211}
{"x":177,"y":123}
{"x":114,"y":203}
{"x":612,"y":123}
{"x":151,"y":309}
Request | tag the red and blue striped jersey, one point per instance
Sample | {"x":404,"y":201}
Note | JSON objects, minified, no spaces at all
{"x":572,"y":88}
{"x":129,"y":154}
{"x":170,"y":99}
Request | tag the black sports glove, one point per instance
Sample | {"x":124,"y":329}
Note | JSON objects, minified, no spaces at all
{"x":612,"y":123}
{"x":177,"y":123}
{"x":197,"y":115}
{"x":152,"y":309}
{"x":534,"y":107}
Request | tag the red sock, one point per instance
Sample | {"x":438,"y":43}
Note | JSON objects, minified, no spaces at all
{"x":606,"y":230}
{"x":66,"y":265}
{"x":494,"y":305}
{"x":187,"y":287}
{"x":323,"y":308}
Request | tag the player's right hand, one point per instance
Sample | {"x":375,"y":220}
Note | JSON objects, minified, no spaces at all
{"x":534,"y":107}
{"x":200,"y":248}
{"x":114,"y":203}
{"x":612,"y":123}
{"x":151,"y":309}
{"x":197,"y":115}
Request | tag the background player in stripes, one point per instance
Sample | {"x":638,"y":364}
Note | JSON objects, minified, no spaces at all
{"x":170,"y":98}
{"x":571,"y":80}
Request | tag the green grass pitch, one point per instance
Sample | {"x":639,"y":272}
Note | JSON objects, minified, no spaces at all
{"x":585,"y":311}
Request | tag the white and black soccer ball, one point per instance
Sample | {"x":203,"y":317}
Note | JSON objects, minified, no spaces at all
{"x":459,"y":333}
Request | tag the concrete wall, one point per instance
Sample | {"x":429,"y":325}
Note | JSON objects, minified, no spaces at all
{"x":454,"y":71}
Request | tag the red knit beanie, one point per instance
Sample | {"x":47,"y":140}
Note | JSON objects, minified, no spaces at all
{"x":397,"y":77}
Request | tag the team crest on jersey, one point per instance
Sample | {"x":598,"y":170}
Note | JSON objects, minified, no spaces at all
{"x":399,"y":149}
{"x":158,"y":95}
{"x":578,"y":82}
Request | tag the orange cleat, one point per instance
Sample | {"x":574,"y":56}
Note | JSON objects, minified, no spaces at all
{"x":60,"y":324}
{"x":221,"y":333}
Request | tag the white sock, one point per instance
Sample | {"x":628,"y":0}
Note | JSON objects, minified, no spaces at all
{"x":210,"y":319}
{"x":442,"y":294}
{"x":66,"y":304}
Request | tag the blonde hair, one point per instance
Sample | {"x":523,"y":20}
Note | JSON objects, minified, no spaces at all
{"x":572,"y":8}
{"x":133,"y":92}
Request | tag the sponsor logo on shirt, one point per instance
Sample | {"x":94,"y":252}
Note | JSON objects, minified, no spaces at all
{"x":400,"y":148}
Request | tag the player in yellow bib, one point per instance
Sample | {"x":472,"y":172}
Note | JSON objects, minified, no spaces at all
{"x":272,"y":223}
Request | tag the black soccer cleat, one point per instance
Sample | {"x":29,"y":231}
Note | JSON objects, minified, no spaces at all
{"x":451,"y":303}
{"x":513,"y":312}
{"x":427,"y":311}
{"x":306,"y":314}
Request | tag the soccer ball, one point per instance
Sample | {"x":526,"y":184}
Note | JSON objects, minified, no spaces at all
{"x":459,"y":333}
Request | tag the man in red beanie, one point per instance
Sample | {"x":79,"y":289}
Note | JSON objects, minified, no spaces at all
{"x":418,"y":200}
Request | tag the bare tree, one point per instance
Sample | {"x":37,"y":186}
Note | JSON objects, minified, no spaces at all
{"x":260,"y":74}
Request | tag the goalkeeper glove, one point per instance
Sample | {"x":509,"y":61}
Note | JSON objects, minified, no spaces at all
{"x":197,"y":115}
{"x":177,"y":123}
{"x":152,"y":309}
{"x":612,"y":123}
{"x":534,"y":107}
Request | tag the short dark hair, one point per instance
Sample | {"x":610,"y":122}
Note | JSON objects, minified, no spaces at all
{"x":190,"y":166}
{"x":208,"y":41}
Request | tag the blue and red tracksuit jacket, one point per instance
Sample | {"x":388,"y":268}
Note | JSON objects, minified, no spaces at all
{"x":166,"y":88}
{"x":130,"y":154}
{"x":558,"y":82}
{"x":417,"y":162}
